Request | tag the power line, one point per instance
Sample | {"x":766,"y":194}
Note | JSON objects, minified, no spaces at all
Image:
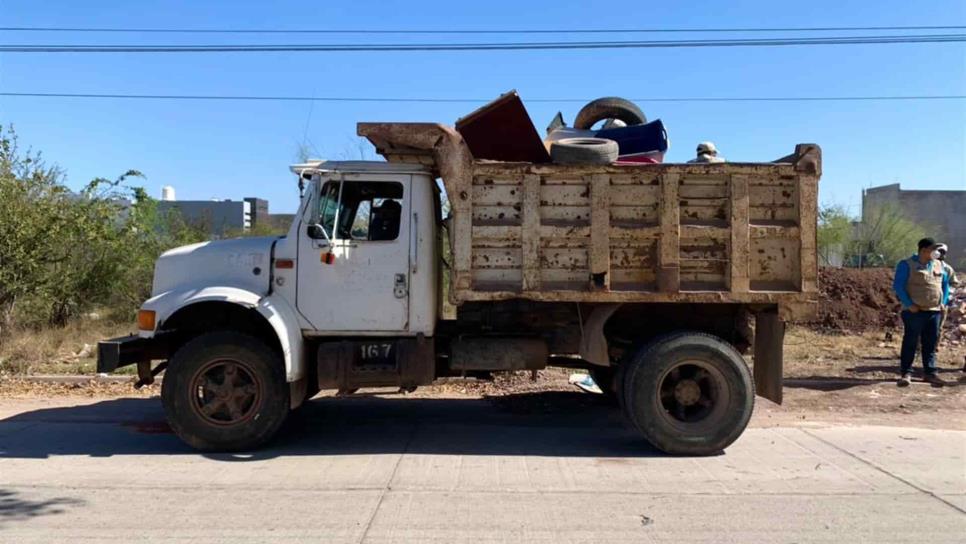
{"x":470,"y":31}
{"x":396,"y":47}
{"x":478,"y":100}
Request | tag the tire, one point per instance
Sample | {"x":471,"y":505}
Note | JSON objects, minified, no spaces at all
{"x":583,"y":151}
{"x":610,"y":107}
{"x":689,"y":393}
{"x":211,"y":416}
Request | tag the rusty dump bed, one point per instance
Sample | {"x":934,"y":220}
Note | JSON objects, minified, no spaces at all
{"x":716,"y":233}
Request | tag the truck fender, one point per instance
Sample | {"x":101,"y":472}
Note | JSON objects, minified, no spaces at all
{"x":276,"y":311}
{"x":593,"y":344}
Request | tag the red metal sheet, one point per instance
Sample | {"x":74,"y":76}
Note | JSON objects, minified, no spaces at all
{"x":503,"y":131}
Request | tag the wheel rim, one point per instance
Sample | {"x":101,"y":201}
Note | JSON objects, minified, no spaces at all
{"x":691,"y":394}
{"x":225,"y":392}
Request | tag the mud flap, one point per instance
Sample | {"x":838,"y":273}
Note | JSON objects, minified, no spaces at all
{"x":769,"y":358}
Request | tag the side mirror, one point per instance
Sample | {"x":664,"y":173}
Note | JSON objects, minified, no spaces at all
{"x":316,"y":232}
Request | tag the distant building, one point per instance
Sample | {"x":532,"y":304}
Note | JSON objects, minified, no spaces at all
{"x":218,"y":217}
{"x":943,"y":212}
{"x":259,"y":211}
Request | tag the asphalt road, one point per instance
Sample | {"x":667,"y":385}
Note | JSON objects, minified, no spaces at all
{"x":533,"y":469}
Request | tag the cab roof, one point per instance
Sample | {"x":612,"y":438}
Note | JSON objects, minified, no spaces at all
{"x":380,"y":167}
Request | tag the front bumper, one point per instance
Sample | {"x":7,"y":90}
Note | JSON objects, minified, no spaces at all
{"x":128,"y":350}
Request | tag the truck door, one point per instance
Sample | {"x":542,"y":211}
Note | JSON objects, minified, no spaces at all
{"x":353,"y":267}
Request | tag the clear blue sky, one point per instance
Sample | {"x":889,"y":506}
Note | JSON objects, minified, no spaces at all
{"x":239,"y":149}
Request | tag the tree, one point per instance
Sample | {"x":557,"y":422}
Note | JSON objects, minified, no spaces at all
{"x":884,"y":236}
{"x":31,"y":198}
{"x":62,"y":253}
{"x":835,"y":228}
{"x":886,"y":233}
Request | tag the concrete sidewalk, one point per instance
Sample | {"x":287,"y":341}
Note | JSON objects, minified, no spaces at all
{"x":443,"y":470}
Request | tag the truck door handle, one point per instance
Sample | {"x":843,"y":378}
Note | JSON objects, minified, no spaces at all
{"x":399,"y":288}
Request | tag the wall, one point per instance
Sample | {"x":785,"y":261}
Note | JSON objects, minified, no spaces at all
{"x":943,"y":212}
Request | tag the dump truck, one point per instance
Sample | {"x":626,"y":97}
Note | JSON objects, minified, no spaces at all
{"x":656,"y":278}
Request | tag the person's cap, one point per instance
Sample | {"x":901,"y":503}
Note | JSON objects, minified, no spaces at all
{"x":707,"y":147}
{"x":927,"y":243}
{"x":942,"y":248}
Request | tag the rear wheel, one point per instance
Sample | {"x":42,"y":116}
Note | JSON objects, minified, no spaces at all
{"x":225,"y":391}
{"x":688,"y":393}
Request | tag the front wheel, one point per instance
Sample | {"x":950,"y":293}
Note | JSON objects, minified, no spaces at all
{"x":225,"y":391}
{"x":688,"y":393}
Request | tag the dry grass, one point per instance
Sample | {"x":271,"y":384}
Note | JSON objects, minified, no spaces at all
{"x":809,"y":353}
{"x":71,"y":349}
{"x":19,"y":388}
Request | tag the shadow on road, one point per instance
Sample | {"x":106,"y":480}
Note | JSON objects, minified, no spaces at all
{"x":893,"y":358}
{"x":541,"y":424}
{"x":832,"y":383}
{"x":14,"y":507}
{"x":892,"y":369}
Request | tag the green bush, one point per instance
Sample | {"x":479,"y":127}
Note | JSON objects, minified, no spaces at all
{"x":886,"y":231}
{"x":884,"y":236}
{"x":64,"y":253}
{"x":835,"y":232}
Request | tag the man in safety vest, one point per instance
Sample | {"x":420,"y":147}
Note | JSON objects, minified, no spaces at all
{"x":922,"y":285}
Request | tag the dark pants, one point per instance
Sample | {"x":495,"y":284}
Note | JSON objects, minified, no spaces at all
{"x":921,"y":328}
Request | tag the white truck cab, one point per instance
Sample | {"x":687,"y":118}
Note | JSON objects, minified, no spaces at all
{"x":364,"y":244}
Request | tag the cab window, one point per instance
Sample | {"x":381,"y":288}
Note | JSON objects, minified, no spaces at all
{"x":368,"y":210}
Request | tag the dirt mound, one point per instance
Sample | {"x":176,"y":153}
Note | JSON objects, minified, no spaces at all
{"x":854,"y":299}
{"x":955,"y":331}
